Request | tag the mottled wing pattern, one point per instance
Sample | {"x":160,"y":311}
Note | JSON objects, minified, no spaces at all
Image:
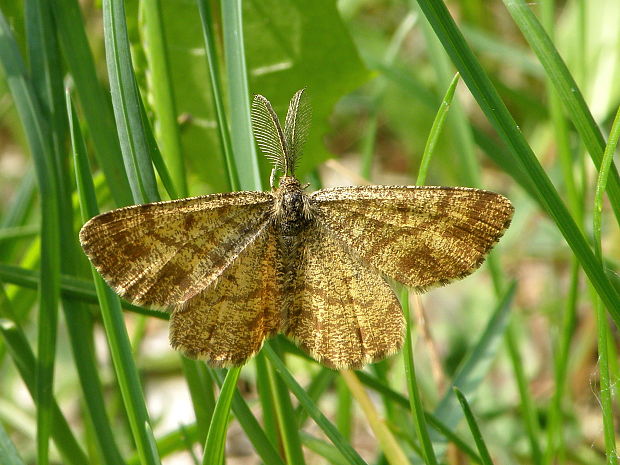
{"x":419,"y":236}
{"x":343,"y":315}
{"x":164,"y":253}
{"x":227,"y":322}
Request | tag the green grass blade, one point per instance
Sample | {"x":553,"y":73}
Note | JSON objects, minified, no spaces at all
{"x":39,"y":141}
{"x":319,"y":384}
{"x":201,"y":391}
{"x":473,"y":427}
{"x":125,"y":99}
{"x":265,"y":391}
{"x":114,"y":325}
{"x":216,"y":89}
{"x":415,"y":401}
{"x":431,"y":419}
{"x":568,"y":91}
{"x":8,"y":451}
{"x":80,"y":326}
{"x":459,"y":126}
{"x":344,"y":412}
{"x":477,"y":362}
{"x":156,"y":157}
{"x":163,"y":102}
{"x":244,"y":148}
{"x":328,"y":428}
{"x":528,"y":410}
{"x":23,"y":357}
{"x":95,"y":103}
{"x":216,"y":439}
{"x":322,"y":448}
{"x":495,"y":110}
{"x":262,"y":445}
{"x":436,"y":130}
{"x":291,"y":442}
{"x":603,"y":329}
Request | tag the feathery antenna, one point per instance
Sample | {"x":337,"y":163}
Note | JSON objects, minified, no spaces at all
{"x":282,"y":147}
{"x":297,"y":125}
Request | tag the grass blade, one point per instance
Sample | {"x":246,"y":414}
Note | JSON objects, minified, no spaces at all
{"x":291,"y":442}
{"x":415,"y":401}
{"x":163,"y":102}
{"x":244,"y":149}
{"x":473,"y":427}
{"x":499,"y":116}
{"x":328,"y":428}
{"x":114,"y":325}
{"x":603,"y":329}
{"x":95,"y":103}
{"x":262,"y":445}
{"x":39,"y":141}
{"x":25,"y":362}
{"x":126,"y":102}
{"x":476,"y":364}
{"x":8,"y":451}
{"x":216,"y":89}
{"x":389,"y":446}
{"x":568,"y":92}
{"x":216,"y":439}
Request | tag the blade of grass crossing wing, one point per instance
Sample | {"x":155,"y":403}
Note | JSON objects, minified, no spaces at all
{"x":497,"y":113}
{"x":39,"y":141}
{"x":113,"y":322}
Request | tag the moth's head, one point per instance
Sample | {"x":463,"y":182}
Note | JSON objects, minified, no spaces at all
{"x":283,"y":146}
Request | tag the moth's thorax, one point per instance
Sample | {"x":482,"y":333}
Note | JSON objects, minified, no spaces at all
{"x":292,"y":212}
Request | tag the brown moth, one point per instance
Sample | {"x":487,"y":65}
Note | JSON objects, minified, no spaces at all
{"x":237,"y":268}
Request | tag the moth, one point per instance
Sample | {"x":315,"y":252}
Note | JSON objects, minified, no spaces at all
{"x":237,"y":268}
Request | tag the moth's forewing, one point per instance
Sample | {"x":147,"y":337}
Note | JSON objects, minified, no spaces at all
{"x":162,"y":253}
{"x":419,"y":236}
